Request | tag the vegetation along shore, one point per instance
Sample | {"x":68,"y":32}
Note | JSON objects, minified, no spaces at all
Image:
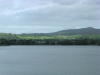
{"x":51,"y":38}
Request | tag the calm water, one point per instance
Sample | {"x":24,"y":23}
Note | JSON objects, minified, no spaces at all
{"x":50,"y":60}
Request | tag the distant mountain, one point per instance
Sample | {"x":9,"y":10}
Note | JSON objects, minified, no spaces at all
{"x":81,"y":31}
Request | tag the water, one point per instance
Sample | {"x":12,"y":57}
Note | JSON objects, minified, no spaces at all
{"x":50,"y":60}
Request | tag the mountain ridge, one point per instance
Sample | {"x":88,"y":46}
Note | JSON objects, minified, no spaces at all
{"x":81,"y":31}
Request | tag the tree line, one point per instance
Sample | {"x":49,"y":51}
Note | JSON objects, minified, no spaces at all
{"x":20,"y":39}
{"x":79,"y":41}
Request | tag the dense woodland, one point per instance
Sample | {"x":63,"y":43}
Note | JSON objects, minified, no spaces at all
{"x":21,"y":39}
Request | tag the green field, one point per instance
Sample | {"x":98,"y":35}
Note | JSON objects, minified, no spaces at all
{"x":19,"y":36}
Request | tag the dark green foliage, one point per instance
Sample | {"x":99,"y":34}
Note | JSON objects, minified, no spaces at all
{"x":12,"y":39}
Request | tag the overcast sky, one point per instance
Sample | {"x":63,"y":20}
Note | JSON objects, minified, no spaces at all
{"x":33,"y":16}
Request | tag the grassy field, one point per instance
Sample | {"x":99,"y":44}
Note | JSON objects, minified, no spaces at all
{"x":19,"y":36}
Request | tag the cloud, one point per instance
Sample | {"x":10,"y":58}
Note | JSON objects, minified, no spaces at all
{"x":49,"y":14}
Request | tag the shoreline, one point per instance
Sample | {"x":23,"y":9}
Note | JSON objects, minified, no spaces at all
{"x":49,"y":45}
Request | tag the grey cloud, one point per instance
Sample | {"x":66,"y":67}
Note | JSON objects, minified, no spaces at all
{"x":61,"y":14}
{"x":65,"y":2}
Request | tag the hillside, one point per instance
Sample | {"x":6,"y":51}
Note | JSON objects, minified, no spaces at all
{"x":81,"y":31}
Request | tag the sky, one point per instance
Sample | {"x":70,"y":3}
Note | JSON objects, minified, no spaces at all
{"x":43,"y":16}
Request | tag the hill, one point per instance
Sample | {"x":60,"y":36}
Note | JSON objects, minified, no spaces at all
{"x":81,"y":31}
